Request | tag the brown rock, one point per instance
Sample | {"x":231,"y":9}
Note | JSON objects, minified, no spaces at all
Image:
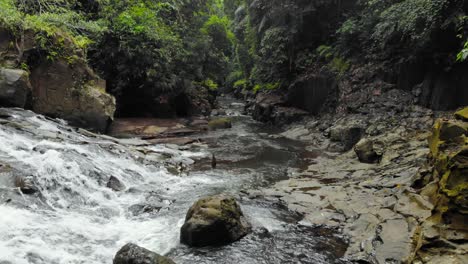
{"x":15,"y":89}
{"x":73,"y":92}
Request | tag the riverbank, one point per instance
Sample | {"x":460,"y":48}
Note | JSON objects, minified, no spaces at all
{"x":369,"y":183}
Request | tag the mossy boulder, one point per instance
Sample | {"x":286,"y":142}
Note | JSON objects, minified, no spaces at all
{"x":133,"y":254}
{"x":220,"y":123}
{"x":214,"y":220}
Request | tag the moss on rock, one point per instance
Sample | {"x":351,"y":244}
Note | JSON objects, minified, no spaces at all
{"x":448,"y":188}
{"x":462,"y":114}
{"x":220,"y":123}
{"x":214,"y":220}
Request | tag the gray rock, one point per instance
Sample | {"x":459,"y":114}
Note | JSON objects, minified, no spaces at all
{"x":15,"y":89}
{"x":348,"y":134}
{"x":214,"y":220}
{"x":133,"y":254}
{"x":396,"y":244}
{"x":115,"y":184}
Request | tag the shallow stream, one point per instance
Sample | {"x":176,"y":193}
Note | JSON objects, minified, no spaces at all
{"x":75,"y":218}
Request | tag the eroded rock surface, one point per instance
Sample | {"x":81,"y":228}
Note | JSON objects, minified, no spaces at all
{"x":397,"y":210}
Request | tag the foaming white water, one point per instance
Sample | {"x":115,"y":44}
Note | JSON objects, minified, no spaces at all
{"x":78,"y":219}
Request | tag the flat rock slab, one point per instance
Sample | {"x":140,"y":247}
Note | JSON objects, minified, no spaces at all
{"x":152,"y":128}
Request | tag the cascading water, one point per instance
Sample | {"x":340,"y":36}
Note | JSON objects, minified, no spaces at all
{"x":75,"y":218}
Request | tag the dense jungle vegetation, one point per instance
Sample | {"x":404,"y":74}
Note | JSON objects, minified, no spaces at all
{"x":148,"y":49}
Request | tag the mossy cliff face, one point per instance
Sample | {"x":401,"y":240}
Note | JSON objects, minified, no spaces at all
{"x":55,"y":84}
{"x":447,"y":187}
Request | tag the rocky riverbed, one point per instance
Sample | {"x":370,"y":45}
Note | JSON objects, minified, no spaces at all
{"x":71,"y":196}
{"x":371,"y":182}
{"x":329,"y":189}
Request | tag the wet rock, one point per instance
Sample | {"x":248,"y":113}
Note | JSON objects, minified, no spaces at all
{"x":214,"y":220}
{"x":298,"y":133}
{"x":133,"y":254}
{"x":348,"y":134}
{"x":15,"y":89}
{"x":220,"y":123}
{"x":366,"y":152}
{"x":271,"y":108}
{"x":72,"y":91}
{"x":139,"y":209}
{"x":396,"y":244}
{"x":25,"y":184}
{"x":115,"y":184}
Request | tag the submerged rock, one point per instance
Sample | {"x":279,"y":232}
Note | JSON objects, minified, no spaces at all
{"x":15,"y":89}
{"x":220,"y":123}
{"x":366,"y":152}
{"x":214,"y":220}
{"x":115,"y":184}
{"x":133,"y":254}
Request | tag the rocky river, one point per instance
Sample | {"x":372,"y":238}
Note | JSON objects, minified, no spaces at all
{"x":69,"y":210}
{"x":71,"y":196}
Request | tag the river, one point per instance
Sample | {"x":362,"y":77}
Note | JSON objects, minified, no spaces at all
{"x":75,"y":218}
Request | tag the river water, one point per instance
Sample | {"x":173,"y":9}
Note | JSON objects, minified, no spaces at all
{"x":75,"y":218}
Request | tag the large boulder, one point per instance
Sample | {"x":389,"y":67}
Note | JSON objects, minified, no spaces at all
{"x":70,"y":90}
{"x":15,"y":89}
{"x":214,"y":220}
{"x":133,"y":254}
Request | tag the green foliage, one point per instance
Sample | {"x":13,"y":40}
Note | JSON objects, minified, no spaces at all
{"x":266,"y":86}
{"x":233,"y":77}
{"x":10,"y":16}
{"x":208,"y":83}
{"x":386,"y":29}
{"x":52,"y":21}
{"x":335,"y":62}
{"x":241,"y":84}
{"x":463,"y":54}
{"x":325,"y":51}
{"x":410,"y":20}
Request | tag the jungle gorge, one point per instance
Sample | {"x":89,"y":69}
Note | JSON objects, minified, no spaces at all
{"x":233,"y":131}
